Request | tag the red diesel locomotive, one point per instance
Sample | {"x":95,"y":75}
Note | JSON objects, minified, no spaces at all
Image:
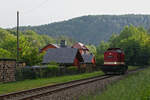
{"x":114,"y":61}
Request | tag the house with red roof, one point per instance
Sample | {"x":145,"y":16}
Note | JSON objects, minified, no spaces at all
{"x":44,"y":49}
{"x":63,"y":56}
{"x":88,"y":57}
{"x":82,"y":48}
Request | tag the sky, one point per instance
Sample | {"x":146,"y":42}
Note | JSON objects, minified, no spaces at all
{"x":38,"y":12}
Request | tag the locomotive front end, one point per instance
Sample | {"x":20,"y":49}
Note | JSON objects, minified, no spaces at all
{"x":114,"y":61}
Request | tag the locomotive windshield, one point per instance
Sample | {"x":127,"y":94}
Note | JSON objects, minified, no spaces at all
{"x":110,"y":56}
{"x":115,"y":49}
{"x":118,"y":50}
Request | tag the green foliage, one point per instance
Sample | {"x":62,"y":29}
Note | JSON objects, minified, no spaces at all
{"x":37,"y":40}
{"x":72,"y":70}
{"x":30,"y":32}
{"x":4,"y":53}
{"x":101,"y":48}
{"x":100,"y":59}
{"x":33,"y":57}
{"x":92,"y":49}
{"x":51,"y":70}
{"x":19,"y":74}
{"x":24,"y":73}
{"x":44,"y":72}
{"x":40,"y":72}
{"x":5,"y":35}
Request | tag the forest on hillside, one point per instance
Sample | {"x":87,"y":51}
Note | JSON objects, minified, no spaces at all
{"x":91,"y":29}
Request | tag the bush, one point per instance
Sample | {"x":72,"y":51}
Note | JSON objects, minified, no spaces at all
{"x":19,"y":74}
{"x":50,"y":70}
{"x":99,"y":59}
{"x":72,"y":70}
{"x":29,"y":73}
{"x":83,"y":69}
{"x":40,"y":72}
{"x":89,"y":68}
{"x":25,"y":73}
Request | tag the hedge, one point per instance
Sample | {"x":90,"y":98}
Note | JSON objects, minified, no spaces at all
{"x":48,"y":71}
{"x":39,"y":72}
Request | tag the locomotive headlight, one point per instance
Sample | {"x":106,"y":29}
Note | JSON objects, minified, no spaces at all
{"x":115,"y":62}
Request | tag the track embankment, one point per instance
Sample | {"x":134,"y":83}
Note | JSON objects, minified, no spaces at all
{"x":67,"y":91}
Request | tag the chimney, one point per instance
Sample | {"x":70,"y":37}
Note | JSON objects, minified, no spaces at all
{"x":63,"y":43}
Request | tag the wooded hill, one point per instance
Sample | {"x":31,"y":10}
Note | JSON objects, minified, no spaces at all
{"x":91,"y":29}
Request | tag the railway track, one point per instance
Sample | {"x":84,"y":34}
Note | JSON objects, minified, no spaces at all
{"x":36,"y":93}
{"x":27,"y":94}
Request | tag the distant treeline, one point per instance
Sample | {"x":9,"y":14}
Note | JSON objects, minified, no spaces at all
{"x":91,"y":29}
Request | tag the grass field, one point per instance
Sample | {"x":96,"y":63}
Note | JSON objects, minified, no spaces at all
{"x":28,"y":84}
{"x":133,"y":67}
{"x":133,"y":87}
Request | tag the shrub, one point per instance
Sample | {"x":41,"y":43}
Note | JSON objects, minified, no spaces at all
{"x":40,"y":72}
{"x":19,"y":74}
{"x":29,"y":73}
{"x":82,"y":69}
{"x":25,"y":73}
{"x":50,"y":70}
{"x":99,"y":59}
{"x":71,"y":70}
{"x":89,"y":68}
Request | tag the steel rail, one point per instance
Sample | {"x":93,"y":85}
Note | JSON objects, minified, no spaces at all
{"x":44,"y":88}
{"x":64,"y":88}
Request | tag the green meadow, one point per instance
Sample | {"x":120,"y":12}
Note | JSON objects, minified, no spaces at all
{"x":133,"y":87}
{"x":29,"y":84}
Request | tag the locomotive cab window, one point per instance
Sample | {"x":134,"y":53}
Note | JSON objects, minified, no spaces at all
{"x":119,"y":51}
{"x":110,"y":56}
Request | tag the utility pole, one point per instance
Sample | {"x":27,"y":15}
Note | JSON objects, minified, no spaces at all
{"x":17,"y":36}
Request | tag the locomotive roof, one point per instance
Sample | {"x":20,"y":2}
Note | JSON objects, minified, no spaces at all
{"x":119,"y":50}
{"x":114,"y":49}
